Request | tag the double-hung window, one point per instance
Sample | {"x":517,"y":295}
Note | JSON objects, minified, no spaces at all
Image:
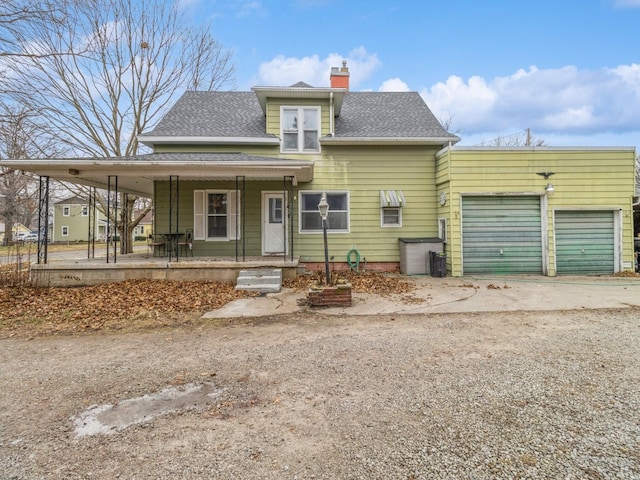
{"x":85,"y":211}
{"x":300,"y":129}
{"x":337,"y":219}
{"x":391,"y":204}
{"x":391,"y":217}
{"x":216,"y":215}
{"x":66,"y":211}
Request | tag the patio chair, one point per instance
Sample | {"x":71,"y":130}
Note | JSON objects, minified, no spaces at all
{"x":186,"y":246}
{"x":156,"y":246}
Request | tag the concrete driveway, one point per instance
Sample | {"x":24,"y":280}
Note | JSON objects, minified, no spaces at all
{"x":459,"y":295}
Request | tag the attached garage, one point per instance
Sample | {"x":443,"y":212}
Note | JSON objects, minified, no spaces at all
{"x":585,"y":242}
{"x":502,"y":234}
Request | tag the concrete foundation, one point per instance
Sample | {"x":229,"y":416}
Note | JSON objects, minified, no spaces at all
{"x":78,"y":273}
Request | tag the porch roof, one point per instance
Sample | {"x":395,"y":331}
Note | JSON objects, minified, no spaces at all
{"x":137,"y":174}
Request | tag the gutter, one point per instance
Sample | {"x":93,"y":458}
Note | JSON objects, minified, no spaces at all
{"x":388,"y":140}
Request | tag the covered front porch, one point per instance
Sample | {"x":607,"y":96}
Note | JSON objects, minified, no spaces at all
{"x":253,"y":229}
{"x":91,"y":271}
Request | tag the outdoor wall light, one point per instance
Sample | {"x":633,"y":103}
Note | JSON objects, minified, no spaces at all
{"x":549,"y":188}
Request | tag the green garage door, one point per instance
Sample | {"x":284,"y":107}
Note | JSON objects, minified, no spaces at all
{"x":501,"y":235}
{"x":585,"y":242}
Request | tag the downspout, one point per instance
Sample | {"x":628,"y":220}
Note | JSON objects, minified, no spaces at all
{"x":331,"y":119}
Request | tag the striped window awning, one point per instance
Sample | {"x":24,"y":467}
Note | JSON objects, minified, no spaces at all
{"x":392,"y":199}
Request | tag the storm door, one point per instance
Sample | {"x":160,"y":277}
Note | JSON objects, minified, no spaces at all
{"x":274,"y":231}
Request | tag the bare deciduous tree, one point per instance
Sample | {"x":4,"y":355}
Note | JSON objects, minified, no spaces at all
{"x":23,"y":20}
{"x":137,"y":57}
{"x":21,"y":136}
{"x":519,"y":139}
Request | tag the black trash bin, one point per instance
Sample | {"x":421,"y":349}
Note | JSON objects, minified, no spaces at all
{"x":438,"y":264}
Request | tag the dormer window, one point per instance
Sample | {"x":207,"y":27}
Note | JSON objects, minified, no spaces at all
{"x":300,"y":129}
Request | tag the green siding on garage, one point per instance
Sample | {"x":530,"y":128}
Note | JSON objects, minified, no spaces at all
{"x":585,"y":242}
{"x":501,"y":234}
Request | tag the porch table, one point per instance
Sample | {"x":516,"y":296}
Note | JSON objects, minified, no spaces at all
{"x":171,"y":239}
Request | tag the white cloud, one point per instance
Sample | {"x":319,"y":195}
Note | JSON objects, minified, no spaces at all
{"x":626,"y":3}
{"x":394,"y":85}
{"x":315,"y":71}
{"x":564,"y":100}
{"x":252,"y":8}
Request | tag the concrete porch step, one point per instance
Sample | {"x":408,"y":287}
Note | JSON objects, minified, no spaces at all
{"x":263,"y":280}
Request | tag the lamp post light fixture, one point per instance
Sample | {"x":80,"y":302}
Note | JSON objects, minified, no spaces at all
{"x":323,"y":208}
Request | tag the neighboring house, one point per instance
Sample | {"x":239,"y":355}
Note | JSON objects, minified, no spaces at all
{"x":18,"y":230}
{"x":71,"y":221}
{"x":145,"y":227}
{"x":246,"y":171}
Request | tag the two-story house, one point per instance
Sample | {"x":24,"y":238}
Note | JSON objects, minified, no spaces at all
{"x":71,"y":217}
{"x":244,"y":172}
{"x":275,"y":150}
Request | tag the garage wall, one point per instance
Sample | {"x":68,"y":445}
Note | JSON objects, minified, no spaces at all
{"x":594,"y":178}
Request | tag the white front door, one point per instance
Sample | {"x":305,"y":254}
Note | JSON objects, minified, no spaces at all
{"x":274,"y":228}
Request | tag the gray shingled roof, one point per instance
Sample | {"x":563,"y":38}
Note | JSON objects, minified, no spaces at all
{"x":214,"y":114}
{"x":226,"y":157}
{"x":364,"y":115}
{"x":387,"y":114}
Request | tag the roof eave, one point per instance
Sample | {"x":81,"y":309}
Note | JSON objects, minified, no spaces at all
{"x":262,"y":93}
{"x":389,"y":140}
{"x":137,"y":177}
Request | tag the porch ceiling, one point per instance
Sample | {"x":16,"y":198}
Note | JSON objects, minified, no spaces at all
{"x":136,"y":175}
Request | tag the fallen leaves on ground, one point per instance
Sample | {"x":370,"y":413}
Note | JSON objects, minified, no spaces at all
{"x":139,"y":304}
{"x":626,"y":273}
{"x":366,"y":282}
{"x":111,"y":305}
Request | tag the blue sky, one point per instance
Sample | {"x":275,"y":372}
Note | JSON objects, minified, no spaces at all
{"x":567,"y":69}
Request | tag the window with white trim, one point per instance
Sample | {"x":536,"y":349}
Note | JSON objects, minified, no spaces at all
{"x":65,"y":231}
{"x":442,"y":229}
{"x":337,"y":219}
{"x":391,"y":216}
{"x":66,"y":211}
{"x":85,"y":211}
{"x":216,"y":215}
{"x":391,"y":203}
{"x":300,"y":129}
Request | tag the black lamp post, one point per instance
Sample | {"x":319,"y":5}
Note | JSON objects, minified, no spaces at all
{"x":323,"y":208}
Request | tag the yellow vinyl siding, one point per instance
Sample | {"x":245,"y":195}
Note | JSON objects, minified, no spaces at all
{"x":583,"y":179}
{"x":363,"y":172}
{"x":273,"y":113}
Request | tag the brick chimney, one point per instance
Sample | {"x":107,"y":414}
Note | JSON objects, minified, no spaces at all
{"x":340,"y":76}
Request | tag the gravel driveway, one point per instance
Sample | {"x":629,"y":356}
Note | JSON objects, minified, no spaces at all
{"x":312,"y":396}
